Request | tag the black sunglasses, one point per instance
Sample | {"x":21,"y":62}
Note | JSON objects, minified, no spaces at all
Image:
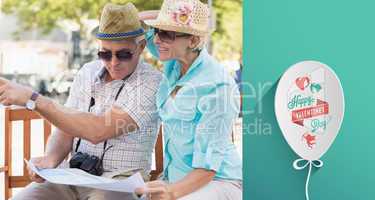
{"x":122,"y":55}
{"x":168,"y":36}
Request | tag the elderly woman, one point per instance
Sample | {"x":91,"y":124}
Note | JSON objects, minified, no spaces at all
{"x":197,"y":102}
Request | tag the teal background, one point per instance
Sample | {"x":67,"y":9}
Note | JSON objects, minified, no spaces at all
{"x":341,"y":34}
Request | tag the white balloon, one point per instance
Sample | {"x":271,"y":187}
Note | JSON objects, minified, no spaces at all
{"x":309,"y":107}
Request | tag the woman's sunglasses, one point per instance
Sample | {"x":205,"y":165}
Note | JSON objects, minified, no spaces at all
{"x":122,"y":55}
{"x":168,"y":36}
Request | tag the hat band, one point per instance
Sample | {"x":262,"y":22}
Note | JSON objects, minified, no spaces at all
{"x":117,"y":35}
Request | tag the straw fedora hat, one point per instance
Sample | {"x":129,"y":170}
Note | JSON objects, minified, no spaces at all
{"x":184,"y":16}
{"x":119,"y":22}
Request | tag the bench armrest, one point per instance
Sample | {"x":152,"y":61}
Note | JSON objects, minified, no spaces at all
{"x":3,"y":169}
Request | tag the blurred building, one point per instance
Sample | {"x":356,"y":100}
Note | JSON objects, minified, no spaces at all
{"x":31,"y":52}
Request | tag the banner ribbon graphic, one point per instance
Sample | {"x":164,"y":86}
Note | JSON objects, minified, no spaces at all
{"x":321,"y":108}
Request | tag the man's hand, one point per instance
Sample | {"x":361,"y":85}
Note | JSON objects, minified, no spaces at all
{"x":156,"y":190}
{"x":13,"y":94}
{"x":43,"y":162}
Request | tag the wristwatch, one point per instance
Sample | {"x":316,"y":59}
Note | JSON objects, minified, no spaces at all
{"x":30,"y":104}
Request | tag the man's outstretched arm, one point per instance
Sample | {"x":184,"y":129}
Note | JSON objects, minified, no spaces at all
{"x":84,"y":125}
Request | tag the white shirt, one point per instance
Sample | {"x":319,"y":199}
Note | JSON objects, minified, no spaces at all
{"x":131,"y":150}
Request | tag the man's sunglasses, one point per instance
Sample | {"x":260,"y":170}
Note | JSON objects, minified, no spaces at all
{"x":122,"y":55}
{"x":168,"y":36}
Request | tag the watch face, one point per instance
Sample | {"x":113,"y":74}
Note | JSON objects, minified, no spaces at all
{"x":30,"y":105}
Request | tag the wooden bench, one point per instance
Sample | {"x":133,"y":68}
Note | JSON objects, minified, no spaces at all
{"x":21,"y":114}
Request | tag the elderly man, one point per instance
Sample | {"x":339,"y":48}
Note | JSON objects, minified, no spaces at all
{"x":111,"y":109}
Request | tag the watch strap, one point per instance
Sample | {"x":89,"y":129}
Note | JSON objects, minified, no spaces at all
{"x":34,"y":96}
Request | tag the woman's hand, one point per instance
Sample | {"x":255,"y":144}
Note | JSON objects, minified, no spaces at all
{"x":149,"y":14}
{"x":156,"y":190}
{"x":159,"y":190}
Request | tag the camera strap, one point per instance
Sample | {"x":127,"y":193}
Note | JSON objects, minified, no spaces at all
{"x":92,"y":103}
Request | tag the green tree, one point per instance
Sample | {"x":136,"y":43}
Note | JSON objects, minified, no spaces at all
{"x":227,"y":39}
{"x":45,"y":15}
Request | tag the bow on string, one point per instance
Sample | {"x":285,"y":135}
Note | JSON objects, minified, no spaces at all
{"x":301,"y":164}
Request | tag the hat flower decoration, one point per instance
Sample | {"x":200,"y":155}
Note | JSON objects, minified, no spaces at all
{"x":183,"y":16}
{"x":182,"y":13}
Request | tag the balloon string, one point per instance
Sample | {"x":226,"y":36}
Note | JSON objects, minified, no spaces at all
{"x":307,"y":181}
{"x":310,"y":163}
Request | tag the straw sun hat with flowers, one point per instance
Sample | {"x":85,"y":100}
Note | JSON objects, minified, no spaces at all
{"x":184,"y":16}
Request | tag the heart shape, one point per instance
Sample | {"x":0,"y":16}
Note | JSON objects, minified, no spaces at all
{"x":302,"y":82}
{"x":183,"y":18}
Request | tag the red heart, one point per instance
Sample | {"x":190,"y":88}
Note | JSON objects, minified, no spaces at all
{"x":302,"y":82}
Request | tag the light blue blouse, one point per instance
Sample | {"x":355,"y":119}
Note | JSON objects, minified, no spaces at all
{"x":197,"y":122}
